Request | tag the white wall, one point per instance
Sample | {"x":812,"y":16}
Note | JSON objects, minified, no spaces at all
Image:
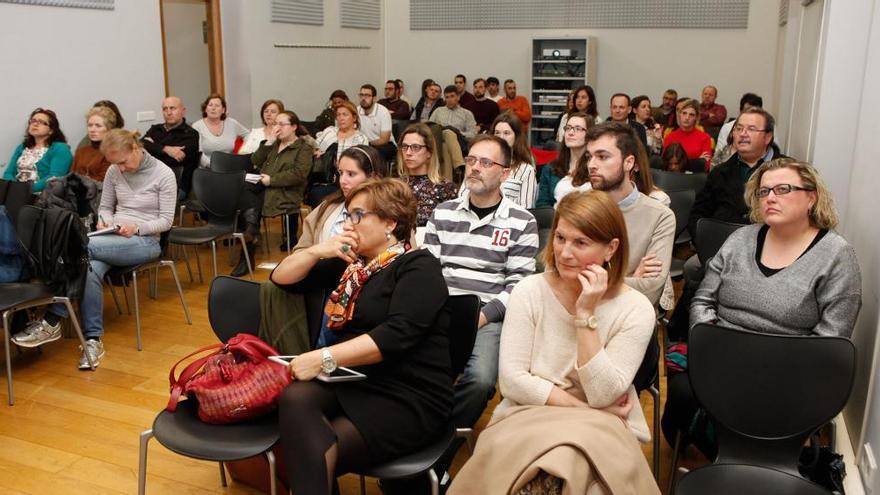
{"x":67,"y":59}
{"x":634,"y":61}
{"x":189,"y":72}
{"x":302,"y":78}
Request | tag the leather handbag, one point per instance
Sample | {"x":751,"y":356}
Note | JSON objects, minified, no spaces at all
{"x":235,"y":382}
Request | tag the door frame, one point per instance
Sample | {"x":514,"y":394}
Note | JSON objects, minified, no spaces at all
{"x":215,"y":46}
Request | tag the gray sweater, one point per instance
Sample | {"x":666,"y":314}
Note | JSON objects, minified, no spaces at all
{"x":820,"y":293}
{"x":145,"y":198}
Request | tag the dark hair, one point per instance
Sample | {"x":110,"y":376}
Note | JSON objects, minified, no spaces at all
{"x":277,"y":103}
{"x":371,"y":88}
{"x":591,"y":107}
{"x":425,"y":85}
{"x":120,"y":122}
{"x":520,"y":152}
{"x":479,"y":79}
{"x":769,"y":121}
{"x":492,"y":80}
{"x":208,"y":100}
{"x":390,"y":199}
{"x":450,"y":89}
{"x":641,"y":172}
{"x":338,"y":93}
{"x":369,"y":161}
{"x":57,"y":135}
{"x":635,"y":102}
{"x":675,"y":150}
{"x":615,"y":95}
{"x":502,"y":144}
{"x":395,"y":82}
{"x":750,"y":99}
{"x":509,"y":81}
{"x":461,"y":76}
{"x":294,"y":119}
{"x":559,"y":166}
{"x":671,"y":91}
{"x":399,"y":82}
{"x":624,"y":137}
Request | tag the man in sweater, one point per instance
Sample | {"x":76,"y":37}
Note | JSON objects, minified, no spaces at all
{"x":465,"y":98}
{"x":712,"y":115}
{"x":399,"y":109}
{"x":484,"y":109}
{"x":519,"y":104}
{"x":613,"y":149}
{"x":175,"y":143}
{"x":664,"y":114}
{"x":458,"y":125}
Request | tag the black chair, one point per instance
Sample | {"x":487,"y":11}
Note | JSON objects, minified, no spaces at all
{"x":126,"y":274}
{"x":219,"y":192}
{"x":233,"y":307}
{"x":675,"y":181}
{"x":648,"y":379}
{"x":766,"y":394}
{"x":19,"y":296}
{"x":544,"y":218}
{"x":681,"y":203}
{"x":711,"y":235}
{"x":14,"y":195}
{"x":228,"y":162}
{"x":464,"y":311}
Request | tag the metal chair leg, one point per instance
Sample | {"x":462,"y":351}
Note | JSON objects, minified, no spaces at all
{"x":214,"y":256}
{"x":125,"y":295}
{"x":676,"y":450}
{"x":468,"y":435}
{"x":435,"y":483}
{"x":6,"y":337}
{"x":146,"y":435}
{"x":222,"y":475}
{"x":173,"y":268}
{"x":75,"y":321}
{"x":186,"y":260}
{"x":286,"y":220}
{"x":363,"y":485}
{"x":137,"y":309}
{"x":273,"y":483}
{"x":265,"y":221}
{"x":199,"y":264}
{"x":113,"y":295}
{"x":655,"y":394}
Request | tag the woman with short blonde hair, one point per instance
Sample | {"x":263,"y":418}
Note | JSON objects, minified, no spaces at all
{"x":88,"y":160}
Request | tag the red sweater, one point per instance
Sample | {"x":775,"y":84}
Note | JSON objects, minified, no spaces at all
{"x":695,"y":142}
{"x":520,"y":106}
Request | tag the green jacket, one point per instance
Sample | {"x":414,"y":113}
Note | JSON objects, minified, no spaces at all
{"x":288,"y":171}
{"x":55,"y":163}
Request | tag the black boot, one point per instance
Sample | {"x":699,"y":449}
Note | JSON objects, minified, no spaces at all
{"x":242,"y":268}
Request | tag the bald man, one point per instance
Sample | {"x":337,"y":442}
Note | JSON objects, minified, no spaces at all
{"x":175,"y":143}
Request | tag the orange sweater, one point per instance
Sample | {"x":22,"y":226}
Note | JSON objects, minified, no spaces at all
{"x":520,"y":106}
{"x":90,"y":162}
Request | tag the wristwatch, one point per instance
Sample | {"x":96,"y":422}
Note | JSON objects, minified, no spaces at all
{"x":592,"y":322}
{"x":328,"y":364}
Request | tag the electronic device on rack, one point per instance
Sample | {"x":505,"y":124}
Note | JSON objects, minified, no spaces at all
{"x":558,"y":53}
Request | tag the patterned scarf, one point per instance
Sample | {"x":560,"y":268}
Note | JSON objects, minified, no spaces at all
{"x":340,"y":305}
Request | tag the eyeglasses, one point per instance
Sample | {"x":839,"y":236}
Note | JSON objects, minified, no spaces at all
{"x":780,"y":190}
{"x":38,"y":121}
{"x":365,"y":95}
{"x":750,"y":129}
{"x":415,"y":148}
{"x":356,"y":216}
{"x":484,"y":162}
{"x":575,"y":128}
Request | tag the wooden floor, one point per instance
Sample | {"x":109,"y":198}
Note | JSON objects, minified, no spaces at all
{"x":73,"y":432}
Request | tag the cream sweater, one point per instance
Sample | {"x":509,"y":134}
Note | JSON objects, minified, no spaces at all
{"x":539,"y":350}
{"x":650,"y":228}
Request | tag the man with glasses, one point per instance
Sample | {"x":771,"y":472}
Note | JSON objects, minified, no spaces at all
{"x":486,"y":243}
{"x":399,"y":109}
{"x":175,"y":144}
{"x":375,"y":123}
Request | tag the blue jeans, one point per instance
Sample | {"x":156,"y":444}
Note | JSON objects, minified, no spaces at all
{"x":105,"y":252}
{"x":476,"y":386}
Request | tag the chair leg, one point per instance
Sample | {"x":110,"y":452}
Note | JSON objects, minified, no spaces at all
{"x":125,"y":295}
{"x":154,"y":283}
{"x":6,"y":337}
{"x":173,"y":268}
{"x":214,"y":256}
{"x":137,"y":309}
{"x":247,"y":257}
{"x":186,"y":260}
{"x":286,"y":219}
{"x":363,"y":485}
{"x":266,"y":235}
{"x":222,"y":475}
{"x":75,"y":321}
{"x":468,"y":435}
{"x":146,"y":435}
{"x":113,"y":295}
{"x":199,"y":264}
{"x":273,"y":482}
{"x":435,"y":483}
{"x":676,"y":450}
{"x":655,"y":394}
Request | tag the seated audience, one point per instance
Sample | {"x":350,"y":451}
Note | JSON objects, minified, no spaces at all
{"x":175,"y":143}
{"x":429,"y":102}
{"x":788,"y":274}
{"x":520,"y":185}
{"x":492,"y":88}
{"x":374,"y":121}
{"x":583,"y":101}
{"x":696,"y":143}
{"x":402,"y":94}
{"x":385,"y":318}
{"x":88,"y":160}
{"x":560,"y":176}
{"x":345,"y":134}
{"x":399,"y":109}
{"x":283,"y":162}
{"x":282,"y":324}
{"x":327,"y":117}
{"x":43,"y":154}
{"x":574,"y":337}
{"x":519,"y":104}
{"x":117,"y":115}
{"x":484,"y":109}
{"x":464,"y":97}
{"x":675,"y":159}
{"x":621,"y":108}
{"x":418,"y":165}
{"x":665,"y":113}
{"x":458,"y":126}
{"x":268,"y":112}
{"x":724,"y":144}
{"x":641,"y":113}
{"x":712,"y":115}
{"x":217,"y":132}
{"x":613,"y":152}
{"x":139,"y":197}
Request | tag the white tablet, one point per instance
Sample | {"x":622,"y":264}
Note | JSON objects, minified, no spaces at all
{"x":341,"y":374}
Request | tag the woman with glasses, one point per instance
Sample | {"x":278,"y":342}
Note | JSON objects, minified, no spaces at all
{"x":385,"y":319}
{"x":583,"y":100}
{"x":520,"y":186}
{"x":566,"y":173}
{"x":788,"y":274}
{"x":43,"y":154}
{"x":419,"y":165}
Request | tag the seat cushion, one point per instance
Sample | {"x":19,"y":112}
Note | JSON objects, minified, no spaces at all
{"x":736,"y":479}
{"x":197,"y":235}
{"x":14,"y":294}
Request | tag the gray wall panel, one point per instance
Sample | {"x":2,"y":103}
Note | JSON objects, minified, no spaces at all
{"x":361,"y":14}
{"x":310,"y":12}
{"x":81,"y":4}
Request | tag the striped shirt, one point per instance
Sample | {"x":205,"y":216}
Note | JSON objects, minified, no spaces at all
{"x":487,"y":256}
{"x":521,"y":187}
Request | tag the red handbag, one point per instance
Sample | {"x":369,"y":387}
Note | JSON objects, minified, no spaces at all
{"x":234,"y":383}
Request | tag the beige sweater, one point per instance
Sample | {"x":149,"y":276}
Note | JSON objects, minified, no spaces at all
{"x":650,"y":227}
{"x":539,"y":350}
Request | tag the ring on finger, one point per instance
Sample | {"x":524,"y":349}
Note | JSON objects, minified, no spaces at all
{"x":345,"y":248}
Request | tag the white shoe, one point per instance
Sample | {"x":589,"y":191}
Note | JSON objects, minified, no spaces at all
{"x":95,"y":348}
{"x":37,"y":333}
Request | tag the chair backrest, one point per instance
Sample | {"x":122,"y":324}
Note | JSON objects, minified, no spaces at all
{"x":228,"y":162}
{"x":768,"y":393}
{"x":14,"y":195}
{"x":464,"y":318}
{"x":710,"y":236}
{"x":649,"y":370}
{"x":218,"y":191}
{"x":314,"y":302}
{"x":544,"y":218}
{"x":233,"y":307}
{"x":681,"y":203}
{"x":675,"y":181}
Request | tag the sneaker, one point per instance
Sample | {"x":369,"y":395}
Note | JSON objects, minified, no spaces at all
{"x":95,"y":348}
{"x":37,"y":333}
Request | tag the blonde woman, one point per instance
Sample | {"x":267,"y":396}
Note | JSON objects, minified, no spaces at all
{"x":419,"y":165}
{"x":88,"y":160}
